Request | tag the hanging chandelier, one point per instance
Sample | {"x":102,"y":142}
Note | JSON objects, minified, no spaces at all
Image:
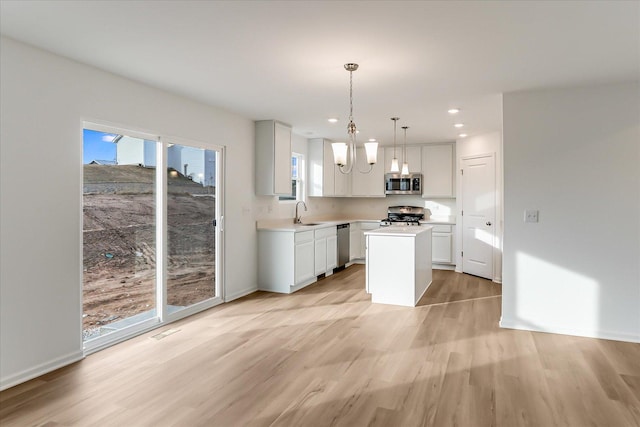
{"x":405,"y":164}
{"x":344,"y":154}
{"x":394,"y":161}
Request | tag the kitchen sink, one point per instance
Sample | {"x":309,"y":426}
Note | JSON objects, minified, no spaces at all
{"x":311,"y":223}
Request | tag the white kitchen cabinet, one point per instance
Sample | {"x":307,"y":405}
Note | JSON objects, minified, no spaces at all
{"x":364,"y":227}
{"x":285,"y":260}
{"x":398,"y":268}
{"x":304,"y":257}
{"x":332,"y":253}
{"x":354,"y":241}
{"x":342,"y":182}
{"x":414,"y":157}
{"x":368,"y":184}
{"x":273,"y":158}
{"x":326,"y":250}
{"x":325,"y":180}
{"x":438,"y":165}
{"x":443,"y":246}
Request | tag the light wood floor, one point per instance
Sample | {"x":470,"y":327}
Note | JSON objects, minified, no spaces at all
{"x":327,"y":356}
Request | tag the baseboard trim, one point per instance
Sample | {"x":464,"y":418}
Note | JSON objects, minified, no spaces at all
{"x":36,"y":371}
{"x":443,"y":267}
{"x":587,"y":333}
{"x":240,"y":294}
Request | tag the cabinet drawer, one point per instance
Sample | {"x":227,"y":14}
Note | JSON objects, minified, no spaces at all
{"x":326,"y":232}
{"x":303,"y":236}
{"x":438,"y":228}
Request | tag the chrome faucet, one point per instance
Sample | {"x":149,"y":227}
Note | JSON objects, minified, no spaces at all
{"x":297,"y":219}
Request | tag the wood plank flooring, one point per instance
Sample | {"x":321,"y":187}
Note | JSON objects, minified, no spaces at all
{"x":327,"y":356}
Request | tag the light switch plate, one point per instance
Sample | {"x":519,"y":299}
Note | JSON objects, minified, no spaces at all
{"x":530,"y":215}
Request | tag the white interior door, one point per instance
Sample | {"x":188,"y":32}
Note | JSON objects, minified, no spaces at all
{"x":478,"y":215}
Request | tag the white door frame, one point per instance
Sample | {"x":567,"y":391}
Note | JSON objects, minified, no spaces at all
{"x":219,"y":235}
{"x":162,"y":317}
{"x":495,"y":275}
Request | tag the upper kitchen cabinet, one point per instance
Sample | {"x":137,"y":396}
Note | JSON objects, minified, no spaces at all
{"x":368,"y":184}
{"x":273,"y":158}
{"x":438,"y":165}
{"x":325,"y":180}
{"x":413,"y":156}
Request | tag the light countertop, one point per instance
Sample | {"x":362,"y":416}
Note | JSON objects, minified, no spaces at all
{"x":410,"y":231}
{"x":287,"y":224}
{"x":445,"y":220}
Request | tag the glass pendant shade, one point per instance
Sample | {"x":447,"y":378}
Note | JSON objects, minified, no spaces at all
{"x":405,"y":164}
{"x":394,"y":166}
{"x":371,"y":149}
{"x":339,"y":153}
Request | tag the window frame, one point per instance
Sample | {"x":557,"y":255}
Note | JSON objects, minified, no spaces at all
{"x":297,"y":175}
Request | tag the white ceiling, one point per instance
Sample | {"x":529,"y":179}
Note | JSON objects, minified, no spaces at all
{"x":284,"y":59}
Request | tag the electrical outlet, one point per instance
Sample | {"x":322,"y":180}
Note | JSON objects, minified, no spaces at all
{"x":530,"y":215}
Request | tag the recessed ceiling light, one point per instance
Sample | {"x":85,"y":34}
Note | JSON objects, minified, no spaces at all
{"x":453,"y":110}
{"x":458,"y":125}
{"x":372,"y":140}
{"x":332,"y":120}
{"x":462,"y":135}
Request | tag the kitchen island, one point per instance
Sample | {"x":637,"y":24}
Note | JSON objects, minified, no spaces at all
{"x":398,"y":264}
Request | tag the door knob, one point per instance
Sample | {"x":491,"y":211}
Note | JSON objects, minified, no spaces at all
{"x":489,"y":223}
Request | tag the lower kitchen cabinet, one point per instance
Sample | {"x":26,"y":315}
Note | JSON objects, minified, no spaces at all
{"x":326,"y":250}
{"x":290,"y":260}
{"x":354,"y":241}
{"x":304,"y":257}
{"x":360,"y":250}
{"x":285,"y":260}
{"x":442,"y":253}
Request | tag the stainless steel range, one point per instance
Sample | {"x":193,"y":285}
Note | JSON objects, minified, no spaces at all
{"x":403,"y":215}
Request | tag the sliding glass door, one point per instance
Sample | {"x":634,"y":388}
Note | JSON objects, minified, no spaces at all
{"x":191,"y":226}
{"x":119,"y":229}
{"x":152,"y":234}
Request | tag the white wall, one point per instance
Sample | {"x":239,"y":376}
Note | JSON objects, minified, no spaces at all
{"x":45,"y":99}
{"x":490,"y":143}
{"x":574,"y":155}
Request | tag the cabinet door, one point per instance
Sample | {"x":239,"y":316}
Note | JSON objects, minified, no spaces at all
{"x":320,"y":256}
{"x":282,"y":160}
{"x":368,"y":184}
{"x":328,"y":171}
{"x":304,"y":262}
{"x":441,"y":251}
{"x":341,"y":181}
{"x":414,"y":157}
{"x":354,"y":244}
{"x":437,"y":165}
{"x":365,"y":226}
{"x":332,"y":252}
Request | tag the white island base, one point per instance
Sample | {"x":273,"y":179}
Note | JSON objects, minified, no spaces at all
{"x":398,"y":264}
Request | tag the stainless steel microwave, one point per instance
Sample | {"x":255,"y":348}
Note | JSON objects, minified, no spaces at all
{"x":395,"y":183}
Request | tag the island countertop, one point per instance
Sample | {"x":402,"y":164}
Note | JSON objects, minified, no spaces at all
{"x":410,"y":231}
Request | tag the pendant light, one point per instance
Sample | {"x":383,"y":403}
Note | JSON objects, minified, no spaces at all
{"x":344,"y":154}
{"x":405,"y":164}
{"x":394,"y":161}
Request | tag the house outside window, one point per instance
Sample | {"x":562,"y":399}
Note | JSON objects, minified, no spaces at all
{"x":297,"y":179}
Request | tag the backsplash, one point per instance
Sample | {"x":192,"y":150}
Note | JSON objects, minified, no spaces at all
{"x":266,"y":208}
{"x":377,"y":207}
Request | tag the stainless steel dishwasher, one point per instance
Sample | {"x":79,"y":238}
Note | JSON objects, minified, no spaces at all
{"x":343,"y":245}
